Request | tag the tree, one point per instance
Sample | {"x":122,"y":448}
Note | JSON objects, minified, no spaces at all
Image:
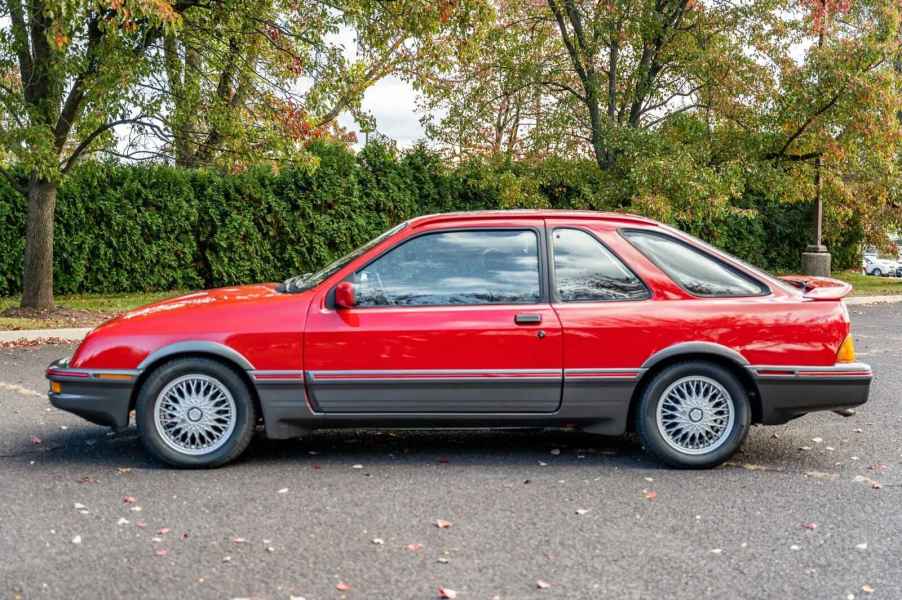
{"x":600,"y":74}
{"x":255,"y":79}
{"x":68,"y":68}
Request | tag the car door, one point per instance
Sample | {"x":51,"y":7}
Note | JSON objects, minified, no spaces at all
{"x":447,"y":321}
{"x":604,"y":309}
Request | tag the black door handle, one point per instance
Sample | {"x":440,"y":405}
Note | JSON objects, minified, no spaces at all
{"x":523,"y":319}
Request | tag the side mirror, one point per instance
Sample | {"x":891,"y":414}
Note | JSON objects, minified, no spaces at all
{"x":344,"y":295}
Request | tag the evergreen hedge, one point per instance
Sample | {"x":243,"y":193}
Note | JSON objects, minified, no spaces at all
{"x":126,"y":228}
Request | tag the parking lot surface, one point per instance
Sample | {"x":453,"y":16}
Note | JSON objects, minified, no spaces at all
{"x":812,"y":509}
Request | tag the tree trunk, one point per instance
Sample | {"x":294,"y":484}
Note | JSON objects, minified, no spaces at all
{"x":37,"y":280}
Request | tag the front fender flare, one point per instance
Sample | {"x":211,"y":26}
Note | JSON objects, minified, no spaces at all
{"x":196,"y":347}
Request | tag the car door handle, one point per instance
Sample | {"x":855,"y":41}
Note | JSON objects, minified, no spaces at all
{"x":524,"y":319}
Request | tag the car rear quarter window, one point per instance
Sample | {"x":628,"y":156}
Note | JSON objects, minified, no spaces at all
{"x":454,"y":267}
{"x":586,"y":271}
{"x":695,"y":271}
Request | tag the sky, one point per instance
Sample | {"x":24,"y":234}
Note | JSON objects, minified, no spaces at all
{"x":392,"y":102}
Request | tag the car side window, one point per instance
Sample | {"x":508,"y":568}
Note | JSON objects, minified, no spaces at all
{"x":694,"y":270}
{"x":586,"y":271}
{"x":454,"y":267}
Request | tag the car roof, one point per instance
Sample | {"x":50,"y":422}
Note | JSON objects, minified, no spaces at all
{"x":535,"y":213}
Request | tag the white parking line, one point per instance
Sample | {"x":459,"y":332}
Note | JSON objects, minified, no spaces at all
{"x":18,"y":389}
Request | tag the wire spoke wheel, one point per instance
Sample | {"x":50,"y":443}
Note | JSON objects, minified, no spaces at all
{"x":195,"y":414}
{"x":695,"y":415}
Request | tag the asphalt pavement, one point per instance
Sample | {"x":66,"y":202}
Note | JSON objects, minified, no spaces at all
{"x":812,"y":509}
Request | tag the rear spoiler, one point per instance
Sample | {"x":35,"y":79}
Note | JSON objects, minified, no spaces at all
{"x":819,"y":288}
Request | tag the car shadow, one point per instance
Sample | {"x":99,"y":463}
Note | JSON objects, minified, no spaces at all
{"x":322,"y":449}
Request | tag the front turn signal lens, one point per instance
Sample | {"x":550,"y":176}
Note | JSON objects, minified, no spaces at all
{"x":846,"y":353}
{"x":56,"y":387}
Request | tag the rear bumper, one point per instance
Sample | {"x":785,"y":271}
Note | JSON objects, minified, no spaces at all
{"x":790,"y":392}
{"x":101,"y":397}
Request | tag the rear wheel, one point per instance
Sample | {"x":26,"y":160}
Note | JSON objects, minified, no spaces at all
{"x":877,"y":273}
{"x":693,"y":415}
{"x":195,"y":412}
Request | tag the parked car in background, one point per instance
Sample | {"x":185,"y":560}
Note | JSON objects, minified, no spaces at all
{"x":879,"y":267}
{"x":598,"y":321}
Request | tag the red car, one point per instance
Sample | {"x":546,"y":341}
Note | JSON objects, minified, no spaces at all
{"x":602,"y":322}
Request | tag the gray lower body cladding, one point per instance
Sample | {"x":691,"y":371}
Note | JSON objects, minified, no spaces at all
{"x":292,"y":404}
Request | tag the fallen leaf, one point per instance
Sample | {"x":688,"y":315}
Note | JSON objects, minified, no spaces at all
{"x":379,"y":541}
{"x":862,"y":546}
{"x":542,"y":585}
{"x":867,"y":589}
{"x":651,"y":495}
{"x":270,"y":549}
{"x":140,"y":524}
{"x":226,"y":559}
{"x":414,"y":547}
{"x":239,"y":540}
{"x":442,"y":524}
{"x":809,"y":525}
{"x":76,"y":540}
{"x":444,"y":592}
{"x":129,"y":499}
{"x":161,"y":552}
{"x":79,"y":506}
{"x":36,"y":440}
{"x":716,"y":551}
{"x":164,"y":530}
{"x":342,"y":587}
{"x":795,"y":547}
{"x":581,"y":511}
{"x":443,"y":560}
{"x":136,"y":509}
{"x":122,"y":521}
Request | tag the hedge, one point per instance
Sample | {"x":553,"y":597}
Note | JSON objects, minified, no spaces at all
{"x":127,"y":228}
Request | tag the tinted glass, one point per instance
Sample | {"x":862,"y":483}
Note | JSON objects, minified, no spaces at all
{"x":586,"y":271}
{"x":695,"y":271}
{"x":455,"y":267}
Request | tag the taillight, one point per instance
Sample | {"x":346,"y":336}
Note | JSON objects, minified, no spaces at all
{"x":846,"y":353}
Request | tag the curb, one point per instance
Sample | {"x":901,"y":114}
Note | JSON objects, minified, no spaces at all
{"x":32,"y":335}
{"x":868,"y":300}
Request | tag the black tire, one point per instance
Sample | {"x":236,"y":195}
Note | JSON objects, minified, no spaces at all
{"x":877,"y":273}
{"x":244,"y":414}
{"x":654,"y":440}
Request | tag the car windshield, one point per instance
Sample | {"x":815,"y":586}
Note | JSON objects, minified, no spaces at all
{"x":299,"y":283}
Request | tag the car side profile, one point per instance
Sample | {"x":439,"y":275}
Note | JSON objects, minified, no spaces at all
{"x":598,"y":321}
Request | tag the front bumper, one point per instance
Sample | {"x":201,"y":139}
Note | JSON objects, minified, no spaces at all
{"x":790,"y":392}
{"x":101,"y":396}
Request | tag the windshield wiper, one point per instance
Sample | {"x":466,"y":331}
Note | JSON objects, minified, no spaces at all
{"x":292,"y":283}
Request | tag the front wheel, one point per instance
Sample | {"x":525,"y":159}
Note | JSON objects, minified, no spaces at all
{"x":693,"y":415}
{"x":195,"y":413}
